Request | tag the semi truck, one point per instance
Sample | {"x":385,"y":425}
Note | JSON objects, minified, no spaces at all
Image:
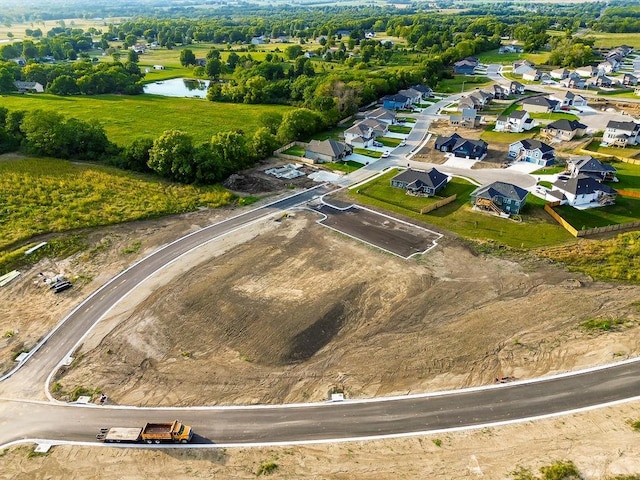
{"x":176,"y":432}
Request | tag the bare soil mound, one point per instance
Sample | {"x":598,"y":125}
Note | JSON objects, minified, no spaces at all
{"x":301,"y":310}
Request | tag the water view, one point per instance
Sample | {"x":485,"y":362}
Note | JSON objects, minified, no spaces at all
{"x":179,"y":87}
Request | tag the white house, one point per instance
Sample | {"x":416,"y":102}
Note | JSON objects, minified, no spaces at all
{"x":29,"y":87}
{"x":360,"y":135}
{"x":584,"y":191}
{"x":516,"y":122}
{"x":383,"y":114}
{"x":621,"y":134}
{"x":532,"y":151}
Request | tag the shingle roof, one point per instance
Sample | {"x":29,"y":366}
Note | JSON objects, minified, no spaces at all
{"x":627,"y":126}
{"x":533,"y":144}
{"x":327,"y":147}
{"x":432,"y":178}
{"x":500,"y":189}
{"x":589,"y":164}
{"x":567,"y":125}
{"x":582,"y":185}
{"x":540,"y":101}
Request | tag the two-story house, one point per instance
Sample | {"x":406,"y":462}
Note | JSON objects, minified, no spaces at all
{"x":565,"y":130}
{"x":540,"y":105}
{"x":500,"y":198}
{"x":583,"y":191}
{"x":517,"y":121}
{"x":592,"y":167}
{"x":621,"y":134}
{"x":532,"y":151}
{"x":383,"y":114}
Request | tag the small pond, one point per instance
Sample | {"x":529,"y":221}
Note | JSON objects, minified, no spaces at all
{"x":179,"y":87}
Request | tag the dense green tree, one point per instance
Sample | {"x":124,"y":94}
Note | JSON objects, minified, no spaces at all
{"x":264,"y":143}
{"x":44,"y":133}
{"x":136,"y":156}
{"x":271,"y":120}
{"x":172,"y":156}
{"x":63,"y":85}
{"x":187,"y":57}
{"x":298,"y":124}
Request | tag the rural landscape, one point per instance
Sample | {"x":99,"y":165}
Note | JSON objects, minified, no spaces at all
{"x":241,"y":216}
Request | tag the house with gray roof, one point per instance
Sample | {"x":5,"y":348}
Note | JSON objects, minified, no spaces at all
{"x":565,"y":130}
{"x":587,"y":72}
{"x":330,"y":150}
{"x":461,"y":147}
{"x":418,"y":182}
{"x":517,"y":121}
{"x":516,"y":88}
{"x":540,"y":104}
{"x":499,"y":198}
{"x":29,"y":87}
{"x":583,"y":191}
{"x":532,"y":151}
{"x":621,"y":134}
{"x":587,"y":165}
{"x":383,"y":114}
{"x":469,"y":118}
{"x":360,"y":135}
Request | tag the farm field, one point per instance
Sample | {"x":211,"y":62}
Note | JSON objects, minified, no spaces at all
{"x":126,"y":118}
{"x":610,"y":40}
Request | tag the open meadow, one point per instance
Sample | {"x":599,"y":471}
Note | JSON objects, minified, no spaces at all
{"x":126,"y":118}
{"x":40,"y":195}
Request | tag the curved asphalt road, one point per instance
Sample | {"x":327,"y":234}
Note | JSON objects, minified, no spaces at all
{"x":27,"y":419}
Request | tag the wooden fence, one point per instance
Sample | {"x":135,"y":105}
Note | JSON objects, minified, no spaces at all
{"x":605,"y":156}
{"x":587,"y":231}
{"x":629,"y":193}
{"x":438,"y":204}
{"x":293,"y":158}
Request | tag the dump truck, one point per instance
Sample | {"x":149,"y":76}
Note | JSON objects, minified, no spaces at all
{"x":176,"y":432}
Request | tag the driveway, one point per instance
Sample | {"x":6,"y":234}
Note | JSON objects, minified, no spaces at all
{"x":597,"y":120}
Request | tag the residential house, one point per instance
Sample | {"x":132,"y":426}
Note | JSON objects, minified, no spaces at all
{"x":629,"y":79}
{"x":539,"y":105}
{"x":592,"y":167}
{"x":418,"y":182}
{"x":469,"y":118}
{"x":500,"y":92}
{"x":469,"y":102}
{"x":517,"y":121}
{"x":621,"y":134}
{"x":584,"y":191}
{"x":426,"y":91}
{"x":521,"y":66}
{"x":516,"y":88}
{"x":573,"y":81}
{"x":327,"y":150}
{"x":379,"y":128}
{"x":568,"y":99}
{"x":604,"y":81}
{"x":510,"y":49}
{"x":359,"y":135}
{"x":559,"y":73}
{"x":461,"y":147}
{"x":259,"y":40}
{"x":396,"y":102}
{"x":29,"y":87}
{"x":587,"y":72}
{"x":636,"y":63}
{"x":466,"y":66}
{"x":414,"y":96}
{"x":609,"y":65}
{"x":383,"y":114}
{"x":565,"y":130}
{"x":483,"y":97}
{"x":20,"y":61}
{"x":532,"y":151}
{"x":499,"y":198}
{"x":531,"y":74}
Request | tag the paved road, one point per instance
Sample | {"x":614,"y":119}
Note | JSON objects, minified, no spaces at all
{"x":315,"y":422}
{"x":21,"y":418}
{"x":29,"y":379}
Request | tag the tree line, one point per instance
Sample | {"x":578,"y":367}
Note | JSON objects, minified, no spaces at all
{"x":172,"y":155}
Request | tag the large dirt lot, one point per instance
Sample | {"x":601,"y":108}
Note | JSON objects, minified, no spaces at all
{"x":288,"y":310}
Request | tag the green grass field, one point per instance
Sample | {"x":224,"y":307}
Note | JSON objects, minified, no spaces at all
{"x":625,"y":210}
{"x":630,"y":151}
{"x":536,"y":230}
{"x":41,"y":195}
{"x":347,"y":167}
{"x":461,"y":83}
{"x":611,"y":40}
{"x":126,"y":118}
{"x":554,"y":116}
{"x":508,"y":138}
{"x":628,"y":176}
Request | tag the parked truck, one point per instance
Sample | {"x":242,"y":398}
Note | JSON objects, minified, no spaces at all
{"x":176,"y":432}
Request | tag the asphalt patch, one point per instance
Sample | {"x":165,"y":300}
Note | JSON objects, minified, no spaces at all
{"x":387,"y":233}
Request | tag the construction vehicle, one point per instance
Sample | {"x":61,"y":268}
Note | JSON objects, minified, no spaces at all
{"x":175,"y":432}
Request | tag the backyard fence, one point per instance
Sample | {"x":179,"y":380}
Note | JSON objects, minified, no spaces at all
{"x":293,"y":158}
{"x":438,"y":204}
{"x":587,"y":231}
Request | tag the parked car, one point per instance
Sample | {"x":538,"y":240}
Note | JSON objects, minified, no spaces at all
{"x":377,"y":144}
{"x":385,"y":154}
{"x":402,"y":143}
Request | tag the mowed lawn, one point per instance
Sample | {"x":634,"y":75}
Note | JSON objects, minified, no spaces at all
{"x":127,"y":117}
{"x":41,"y":195}
{"x":536,"y":229}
